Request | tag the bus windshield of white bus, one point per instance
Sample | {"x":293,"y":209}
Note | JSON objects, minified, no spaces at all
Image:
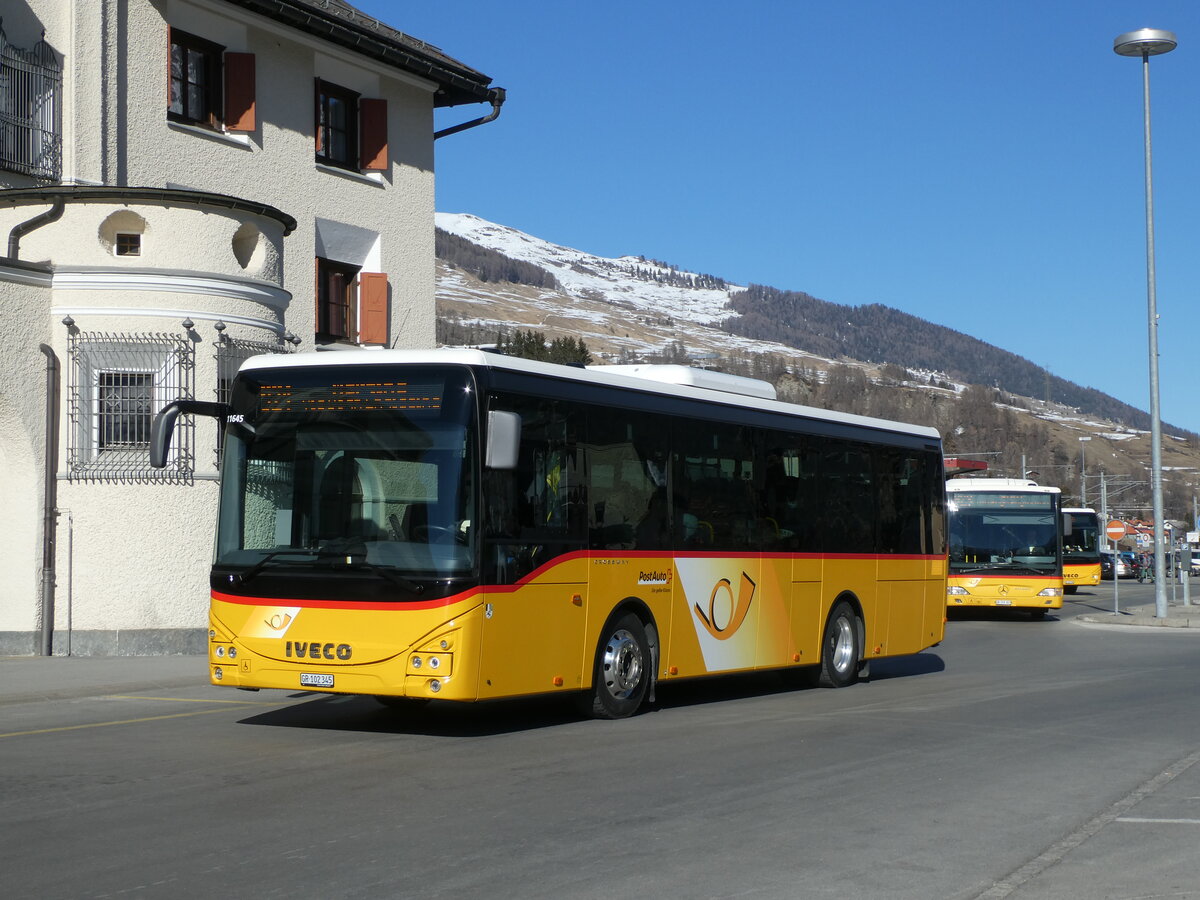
{"x":993,"y":530}
{"x":358,"y":475}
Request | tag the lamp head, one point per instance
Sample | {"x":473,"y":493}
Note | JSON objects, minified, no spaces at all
{"x":1144,"y":42}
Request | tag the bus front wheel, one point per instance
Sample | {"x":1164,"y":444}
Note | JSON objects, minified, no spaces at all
{"x":840,"y":648}
{"x":621,"y":675}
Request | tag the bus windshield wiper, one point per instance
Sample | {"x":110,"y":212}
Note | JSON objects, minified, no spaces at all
{"x":998,"y":566}
{"x":382,"y":571}
{"x":327,"y":553}
{"x":274,"y":554}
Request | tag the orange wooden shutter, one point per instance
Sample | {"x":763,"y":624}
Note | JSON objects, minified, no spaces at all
{"x":239,"y":92}
{"x":372,"y":124}
{"x":373,"y":306}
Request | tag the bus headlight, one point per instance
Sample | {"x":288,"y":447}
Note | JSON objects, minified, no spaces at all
{"x":419,"y":663}
{"x":1050,"y":592}
{"x":955,"y":590}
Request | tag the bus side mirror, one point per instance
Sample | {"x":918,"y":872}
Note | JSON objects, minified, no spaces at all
{"x":163,"y":425}
{"x":503,"y":440}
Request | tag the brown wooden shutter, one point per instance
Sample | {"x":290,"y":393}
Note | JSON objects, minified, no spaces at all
{"x":372,"y":124}
{"x":239,"y":92}
{"x":373,"y":306}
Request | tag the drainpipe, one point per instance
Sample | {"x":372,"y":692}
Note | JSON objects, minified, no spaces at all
{"x":49,"y":503}
{"x":495,"y":97}
{"x":53,"y":214}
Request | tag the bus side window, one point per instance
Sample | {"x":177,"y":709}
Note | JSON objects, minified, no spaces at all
{"x":715,"y":477}
{"x":626,"y":460}
{"x":534,"y":510}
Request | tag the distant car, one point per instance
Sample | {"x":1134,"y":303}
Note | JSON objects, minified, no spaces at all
{"x":1124,"y":566}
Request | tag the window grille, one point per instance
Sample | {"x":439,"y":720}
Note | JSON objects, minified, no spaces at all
{"x":30,"y":110}
{"x":116,"y":384}
{"x":230,"y":354}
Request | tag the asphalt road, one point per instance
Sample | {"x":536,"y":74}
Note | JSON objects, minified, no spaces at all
{"x":1023,"y":759}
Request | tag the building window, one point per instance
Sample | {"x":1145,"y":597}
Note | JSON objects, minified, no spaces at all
{"x":337,"y":126}
{"x":116,"y":383}
{"x":337,"y":295}
{"x":30,"y":110}
{"x":195,"y":80}
{"x":129,"y":245}
{"x":123,"y":410}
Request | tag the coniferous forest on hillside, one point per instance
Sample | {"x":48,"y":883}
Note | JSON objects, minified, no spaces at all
{"x":880,"y":334}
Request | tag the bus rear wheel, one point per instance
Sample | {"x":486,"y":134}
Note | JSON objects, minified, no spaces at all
{"x":622,"y":670}
{"x":840,"y":648}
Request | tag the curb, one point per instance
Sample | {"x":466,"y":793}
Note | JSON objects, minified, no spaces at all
{"x":1139,"y":619}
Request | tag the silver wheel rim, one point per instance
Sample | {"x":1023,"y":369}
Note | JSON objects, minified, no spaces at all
{"x":622,"y":665}
{"x":843,"y":645}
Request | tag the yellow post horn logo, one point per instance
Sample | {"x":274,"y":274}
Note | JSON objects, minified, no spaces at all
{"x":738,"y":609}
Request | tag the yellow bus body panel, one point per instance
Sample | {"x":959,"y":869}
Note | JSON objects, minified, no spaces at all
{"x":707,"y":614}
{"x":1081,"y":574}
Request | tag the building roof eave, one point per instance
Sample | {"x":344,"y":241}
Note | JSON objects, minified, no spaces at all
{"x":90,"y":193}
{"x":342,"y":24}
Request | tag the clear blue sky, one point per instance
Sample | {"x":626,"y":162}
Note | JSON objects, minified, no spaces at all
{"x":977,"y":164}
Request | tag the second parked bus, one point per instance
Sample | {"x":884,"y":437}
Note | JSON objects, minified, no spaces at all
{"x":1080,"y":549}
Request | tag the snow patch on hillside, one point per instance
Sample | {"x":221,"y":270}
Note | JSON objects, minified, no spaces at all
{"x":583,"y":276}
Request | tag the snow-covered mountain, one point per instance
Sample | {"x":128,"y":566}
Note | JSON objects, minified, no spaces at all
{"x":630,"y":308}
{"x":621,"y":308}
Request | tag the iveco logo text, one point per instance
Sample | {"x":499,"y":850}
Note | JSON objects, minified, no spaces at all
{"x":654,"y":577}
{"x":317,"y":650}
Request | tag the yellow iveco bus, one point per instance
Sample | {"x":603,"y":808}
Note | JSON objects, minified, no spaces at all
{"x":1005,"y":544}
{"x":461,"y":525}
{"x":1080,"y":549}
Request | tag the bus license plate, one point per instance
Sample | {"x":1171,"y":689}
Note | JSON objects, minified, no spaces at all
{"x":315,"y":680}
{"x":998,"y":603}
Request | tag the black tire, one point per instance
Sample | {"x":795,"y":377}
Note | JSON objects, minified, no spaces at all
{"x":622,"y":671}
{"x":841,"y":648}
{"x":1070,"y":588}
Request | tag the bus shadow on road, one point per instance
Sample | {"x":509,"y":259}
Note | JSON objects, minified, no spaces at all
{"x":333,"y":712}
{"x":906,"y":666}
{"x":440,"y":719}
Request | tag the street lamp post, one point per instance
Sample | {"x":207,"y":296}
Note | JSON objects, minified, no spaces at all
{"x":1147,"y":42}
{"x":1083,"y":470}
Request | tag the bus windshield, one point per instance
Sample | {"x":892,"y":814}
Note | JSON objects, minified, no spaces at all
{"x":1005,"y":531}
{"x":355,"y":473}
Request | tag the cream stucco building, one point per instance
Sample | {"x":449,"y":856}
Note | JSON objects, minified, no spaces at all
{"x":184,"y":183}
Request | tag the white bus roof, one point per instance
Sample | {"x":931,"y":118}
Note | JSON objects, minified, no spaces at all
{"x":979,"y":485}
{"x":701,"y":386}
